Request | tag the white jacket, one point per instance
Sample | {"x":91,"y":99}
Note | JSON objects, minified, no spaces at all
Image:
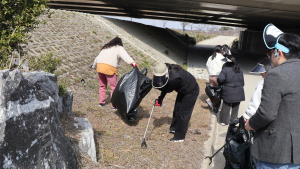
{"x":255,"y":100}
{"x":112,"y":56}
{"x":214,"y":66}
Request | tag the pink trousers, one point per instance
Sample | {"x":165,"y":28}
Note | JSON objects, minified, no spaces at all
{"x":103,"y":79}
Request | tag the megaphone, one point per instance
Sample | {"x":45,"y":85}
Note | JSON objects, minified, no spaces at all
{"x":271,"y":35}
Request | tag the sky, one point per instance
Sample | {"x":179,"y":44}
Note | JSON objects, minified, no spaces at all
{"x":157,"y":23}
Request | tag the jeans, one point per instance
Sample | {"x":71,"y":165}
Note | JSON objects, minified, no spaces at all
{"x":265,"y":165}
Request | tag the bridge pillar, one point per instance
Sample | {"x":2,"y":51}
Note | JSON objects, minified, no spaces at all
{"x":252,"y":42}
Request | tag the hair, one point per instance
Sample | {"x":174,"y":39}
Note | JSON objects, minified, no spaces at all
{"x":218,"y":49}
{"x":233,"y":64}
{"x":292,"y":42}
{"x":173,"y":68}
{"x":225,"y":49}
{"x":268,"y":64}
{"x":114,"y":42}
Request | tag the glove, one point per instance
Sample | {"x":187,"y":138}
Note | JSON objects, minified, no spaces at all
{"x":133,"y":64}
{"x":158,"y":103}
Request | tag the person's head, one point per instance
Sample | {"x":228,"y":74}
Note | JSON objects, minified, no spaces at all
{"x":161,"y":73}
{"x":226,"y":50}
{"x":114,"y":42}
{"x":218,"y":49}
{"x":232,"y":63}
{"x":263,"y":67}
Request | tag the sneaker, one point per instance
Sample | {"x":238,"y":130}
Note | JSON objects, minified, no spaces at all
{"x":172,"y":131}
{"x":175,"y":140}
{"x":223,"y":124}
{"x":101,"y":104}
{"x":209,"y":103}
{"x":114,"y":108}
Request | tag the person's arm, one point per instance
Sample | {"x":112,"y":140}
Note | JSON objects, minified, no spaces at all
{"x":94,"y":66}
{"x":222,"y":77}
{"x":270,"y":101}
{"x":125,"y":56}
{"x":255,"y":101}
{"x":171,"y":86}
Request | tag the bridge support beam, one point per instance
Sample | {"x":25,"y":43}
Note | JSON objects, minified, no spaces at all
{"x":252,"y":42}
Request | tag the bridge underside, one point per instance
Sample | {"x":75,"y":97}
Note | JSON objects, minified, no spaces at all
{"x":251,"y":14}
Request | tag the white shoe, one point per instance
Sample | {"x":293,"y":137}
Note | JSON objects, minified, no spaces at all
{"x":223,"y":124}
{"x":209,"y":103}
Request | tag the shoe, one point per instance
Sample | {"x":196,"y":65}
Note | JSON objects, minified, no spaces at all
{"x":114,"y":108}
{"x":222,"y":124}
{"x":175,"y":140}
{"x":172,"y":131}
{"x":101,"y":104}
{"x":209,"y":103}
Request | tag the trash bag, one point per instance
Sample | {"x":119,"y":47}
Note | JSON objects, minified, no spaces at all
{"x":129,"y":92}
{"x":214,"y":94}
{"x":237,"y":152}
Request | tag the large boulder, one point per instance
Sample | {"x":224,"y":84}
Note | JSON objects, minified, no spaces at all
{"x":86,"y":141}
{"x":46,"y":82}
{"x":30,"y":132}
{"x":67,"y":102}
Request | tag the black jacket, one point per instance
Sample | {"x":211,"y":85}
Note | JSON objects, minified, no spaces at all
{"x":232,"y":84}
{"x":181,"y":81}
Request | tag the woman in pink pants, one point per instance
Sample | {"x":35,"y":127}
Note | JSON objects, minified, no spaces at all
{"x":106,"y":64}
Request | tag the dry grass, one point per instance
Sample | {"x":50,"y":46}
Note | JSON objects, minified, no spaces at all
{"x":118,"y":143}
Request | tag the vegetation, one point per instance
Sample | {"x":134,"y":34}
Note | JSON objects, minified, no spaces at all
{"x":47,"y":62}
{"x":225,"y":28}
{"x":17,"y":18}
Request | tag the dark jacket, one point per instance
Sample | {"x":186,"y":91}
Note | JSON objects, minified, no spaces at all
{"x":277,"y":119}
{"x":181,"y":81}
{"x":232,"y":84}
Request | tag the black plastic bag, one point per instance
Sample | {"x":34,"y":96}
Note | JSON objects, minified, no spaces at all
{"x":214,"y":94}
{"x":129,"y":92}
{"x":238,"y":151}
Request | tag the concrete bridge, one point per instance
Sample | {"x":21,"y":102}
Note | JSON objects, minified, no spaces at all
{"x":251,"y":14}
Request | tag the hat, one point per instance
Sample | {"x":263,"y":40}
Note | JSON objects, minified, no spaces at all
{"x":160,"y":75}
{"x":259,"y":68}
{"x":271,"y":35}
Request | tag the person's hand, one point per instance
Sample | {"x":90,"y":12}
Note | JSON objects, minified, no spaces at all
{"x":133,"y":64}
{"x":158,"y":103}
{"x":247,"y":126}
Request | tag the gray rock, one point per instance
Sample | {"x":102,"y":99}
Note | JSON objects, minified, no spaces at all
{"x":30,"y":132}
{"x":46,"y":82}
{"x":67,"y":102}
{"x":86,"y":142}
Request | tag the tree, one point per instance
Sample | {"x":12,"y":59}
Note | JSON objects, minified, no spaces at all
{"x":17,"y":18}
{"x":184,"y":24}
{"x":164,"y":23}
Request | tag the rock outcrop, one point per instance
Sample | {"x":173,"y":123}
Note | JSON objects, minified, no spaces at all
{"x":86,"y":142}
{"x":30,"y":132}
{"x":46,"y":82}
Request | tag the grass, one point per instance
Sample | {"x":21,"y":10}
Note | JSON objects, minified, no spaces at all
{"x":119,"y":143}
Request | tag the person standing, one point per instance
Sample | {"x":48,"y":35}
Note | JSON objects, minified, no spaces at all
{"x":263,"y":67}
{"x":232,"y":80}
{"x":276,"y":142}
{"x":107,"y":66}
{"x":214,"y":66}
{"x":167,"y":78}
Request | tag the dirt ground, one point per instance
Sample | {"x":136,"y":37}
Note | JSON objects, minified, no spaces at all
{"x":118,"y":143}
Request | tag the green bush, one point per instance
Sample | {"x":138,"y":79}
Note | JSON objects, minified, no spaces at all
{"x":62,"y":88}
{"x":47,"y":62}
